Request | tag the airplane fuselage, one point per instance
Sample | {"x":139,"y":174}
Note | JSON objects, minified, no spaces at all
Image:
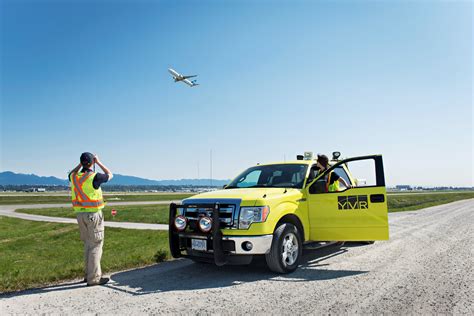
{"x":177,"y":77}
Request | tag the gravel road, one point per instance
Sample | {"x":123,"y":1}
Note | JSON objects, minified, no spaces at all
{"x":425,"y":268}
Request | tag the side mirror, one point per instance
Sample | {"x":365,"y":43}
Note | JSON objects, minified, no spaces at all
{"x":224,"y":186}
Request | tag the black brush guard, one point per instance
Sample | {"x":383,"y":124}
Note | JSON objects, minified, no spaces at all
{"x":216,"y":234}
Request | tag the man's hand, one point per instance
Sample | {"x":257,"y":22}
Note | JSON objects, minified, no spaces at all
{"x":104,"y":168}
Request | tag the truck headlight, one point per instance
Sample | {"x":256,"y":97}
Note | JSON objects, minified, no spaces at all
{"x":180,"y":222}
{"x":205,"y":224}
{"x":249,"y":215}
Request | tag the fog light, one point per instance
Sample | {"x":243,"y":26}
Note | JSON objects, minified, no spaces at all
{"x":247,"y":246}
{"x":180,"y":222}
{"x":205,"y":224}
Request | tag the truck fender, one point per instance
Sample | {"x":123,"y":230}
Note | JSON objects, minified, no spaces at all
{"x":292,"y":219}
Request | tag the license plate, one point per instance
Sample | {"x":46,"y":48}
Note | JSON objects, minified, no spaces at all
{"x":199,"y":244}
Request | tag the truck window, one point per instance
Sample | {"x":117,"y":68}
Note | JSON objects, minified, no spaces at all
{"x":320,"y":186}
{"x":363,"y":172}
{"x":250,"y":179}
{"x":313,"y":173}
{"x":342,"y":173}
{"x":271,"y":176}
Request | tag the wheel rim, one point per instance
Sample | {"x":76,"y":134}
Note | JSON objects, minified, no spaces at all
{"x":289,"y":249}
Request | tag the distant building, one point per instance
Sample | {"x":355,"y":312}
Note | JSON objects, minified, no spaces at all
{"x":41,"y":190}
{"x":403,"y":187}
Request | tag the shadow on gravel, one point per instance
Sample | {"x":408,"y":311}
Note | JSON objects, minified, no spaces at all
{"x":52,"y":288}
{"x":185,"y":275}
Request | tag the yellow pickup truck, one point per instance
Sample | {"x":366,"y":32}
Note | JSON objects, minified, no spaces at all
{"x":275,"y":209}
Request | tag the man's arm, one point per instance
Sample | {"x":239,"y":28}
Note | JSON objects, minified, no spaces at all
{"x":78,"y":167}
{"x":104,"y":168}
{"x":341,"y":180}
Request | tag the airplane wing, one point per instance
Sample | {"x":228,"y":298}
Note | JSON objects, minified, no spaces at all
{"x":173,"y":72}
{"x":187,"y":77}
{"x":189,"y":83}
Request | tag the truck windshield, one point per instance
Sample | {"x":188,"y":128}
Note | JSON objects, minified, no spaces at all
{"x":271,"y":176}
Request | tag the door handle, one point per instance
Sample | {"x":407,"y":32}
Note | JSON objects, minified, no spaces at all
{"x":377,"y":198}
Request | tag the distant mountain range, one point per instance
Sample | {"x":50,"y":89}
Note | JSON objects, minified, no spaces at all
{"x":11,"y":178}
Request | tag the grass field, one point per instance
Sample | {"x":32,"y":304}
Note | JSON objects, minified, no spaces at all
{"x":155,"y":214}
{"x":38,"y":253}
{"x":51,"y":199}
{"x":159,"y":213}
{"x":413,"y":201}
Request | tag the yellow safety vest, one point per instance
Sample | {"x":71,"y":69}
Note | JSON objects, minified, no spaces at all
{"x":84,"y":197}
{"x":334,"y":187}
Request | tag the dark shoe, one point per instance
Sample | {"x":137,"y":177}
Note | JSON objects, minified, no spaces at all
{"x":84,"y":280}
{"x":102,"y":281}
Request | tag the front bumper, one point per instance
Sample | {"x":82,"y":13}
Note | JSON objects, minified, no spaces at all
{"x":231,"y":244}
{"x":219,"y":248}
{"x":260,"y":244}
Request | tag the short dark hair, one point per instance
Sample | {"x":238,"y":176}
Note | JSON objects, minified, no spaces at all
{"x":323,"y":160}
{"x":86,"y":159}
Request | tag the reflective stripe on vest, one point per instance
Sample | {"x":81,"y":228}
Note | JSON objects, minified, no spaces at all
{"x":87,"y":204}
{"x":84,"y":197}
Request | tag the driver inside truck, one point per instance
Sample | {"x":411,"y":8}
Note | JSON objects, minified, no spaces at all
{"x":332,"y":179}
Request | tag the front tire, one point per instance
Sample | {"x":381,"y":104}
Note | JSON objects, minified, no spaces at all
{"x":286,"y":250}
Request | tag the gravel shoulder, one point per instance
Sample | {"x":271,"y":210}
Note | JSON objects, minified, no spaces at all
{"x":425,"y":268}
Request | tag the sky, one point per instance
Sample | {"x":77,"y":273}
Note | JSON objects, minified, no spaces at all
{"x":277,"y":78}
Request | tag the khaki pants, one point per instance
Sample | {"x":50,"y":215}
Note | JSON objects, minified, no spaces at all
{"x":91,"y":227}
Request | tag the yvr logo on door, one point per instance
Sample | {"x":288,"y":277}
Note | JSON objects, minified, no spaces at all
{"x":352,"y":202}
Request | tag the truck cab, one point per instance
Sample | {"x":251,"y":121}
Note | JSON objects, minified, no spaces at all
{"x":275,"y":209}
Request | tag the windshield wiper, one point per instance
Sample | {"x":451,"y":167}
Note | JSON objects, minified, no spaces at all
{"x":231,"y":187}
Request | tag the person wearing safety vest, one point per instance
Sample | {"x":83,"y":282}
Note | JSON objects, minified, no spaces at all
{"x":87,"y":202}
{"x":332,"y":178}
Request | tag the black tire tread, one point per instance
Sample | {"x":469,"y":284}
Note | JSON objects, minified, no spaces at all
{"x":273,"y":257}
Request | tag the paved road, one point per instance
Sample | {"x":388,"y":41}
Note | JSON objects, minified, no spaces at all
{"x":425,"y":268}
{"x":9,"y":210}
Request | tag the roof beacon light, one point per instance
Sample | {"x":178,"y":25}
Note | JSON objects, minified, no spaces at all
{"x":308,"y":155}
{"x":336,"y":155}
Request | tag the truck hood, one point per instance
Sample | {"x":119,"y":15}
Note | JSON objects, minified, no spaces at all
{"x":249,"y":196}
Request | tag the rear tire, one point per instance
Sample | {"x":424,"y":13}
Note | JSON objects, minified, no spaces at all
{"x":286,"y":250}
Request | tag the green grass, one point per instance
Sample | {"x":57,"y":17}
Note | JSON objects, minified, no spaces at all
{"x":410,"y":202}
{"x":37,"y":253}
{"x":155,"y":214}
{"x":52,"y":199}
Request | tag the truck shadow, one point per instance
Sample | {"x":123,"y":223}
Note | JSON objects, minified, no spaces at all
{"x":185,"y":275}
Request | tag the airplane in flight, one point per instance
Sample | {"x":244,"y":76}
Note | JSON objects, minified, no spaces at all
{"x":177,"y":77}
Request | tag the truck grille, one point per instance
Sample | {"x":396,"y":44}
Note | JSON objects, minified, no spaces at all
{"x":226,"y":213}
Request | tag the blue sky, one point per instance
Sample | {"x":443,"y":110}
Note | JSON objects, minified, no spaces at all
{"x":277,"y":78}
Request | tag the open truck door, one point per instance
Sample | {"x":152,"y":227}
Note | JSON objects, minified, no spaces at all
{"x":350,"y":214}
